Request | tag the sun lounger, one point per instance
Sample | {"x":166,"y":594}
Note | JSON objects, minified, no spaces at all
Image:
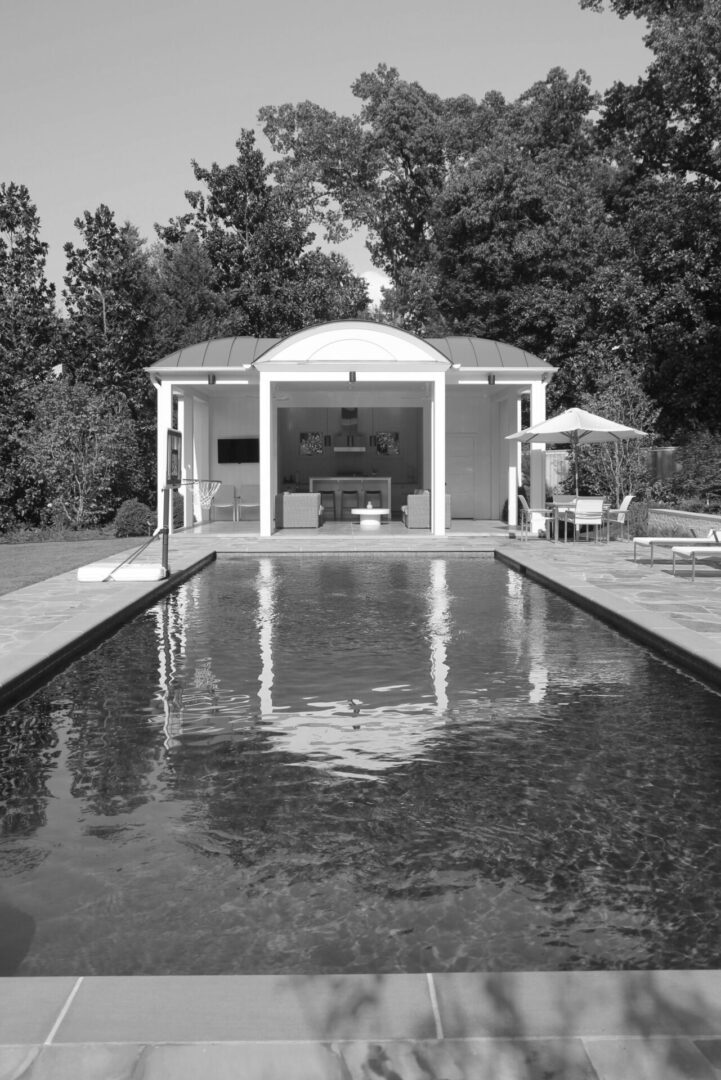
{"x":705,"y":553}
{"x":650,"y":542}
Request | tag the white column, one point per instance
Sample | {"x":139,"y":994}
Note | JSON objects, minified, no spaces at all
{"x":185,"y":426}
{"x":513,"y":451}
{"x":165,"y":420}
{"x":438,"y":486}
{"x":267,"y":455}
{"x":538,"y":454}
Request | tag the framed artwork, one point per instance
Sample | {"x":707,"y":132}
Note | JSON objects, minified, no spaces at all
{"x":387,"y":442}
{"x":311,"y":442}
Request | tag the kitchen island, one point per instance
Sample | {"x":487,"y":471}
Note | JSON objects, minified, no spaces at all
{"x":361,"y":485}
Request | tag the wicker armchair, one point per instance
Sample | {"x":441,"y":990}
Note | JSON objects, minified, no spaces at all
{"x":417,"y":511}
{"x":298,"y":510}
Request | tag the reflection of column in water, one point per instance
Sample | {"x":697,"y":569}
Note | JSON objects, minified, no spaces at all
{"x":438,"y":605}
{"x":515,"y":621}
{"x":537,"y":631}
{"x":526,"y":637}
{"x":171,"y":635}
{"x":266,"y":614}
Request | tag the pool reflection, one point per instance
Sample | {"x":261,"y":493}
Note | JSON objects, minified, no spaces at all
{"x":362,"y":765}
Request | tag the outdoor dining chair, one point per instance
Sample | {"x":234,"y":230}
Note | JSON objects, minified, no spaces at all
{"x":617,"y":516}
{"x":548,"y":513}
{"x":586,"y":513}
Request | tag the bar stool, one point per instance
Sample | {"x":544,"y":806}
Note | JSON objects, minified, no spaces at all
{"x":349,"y":500}
{"x":375,"y":498}
{"x":327,"y":501}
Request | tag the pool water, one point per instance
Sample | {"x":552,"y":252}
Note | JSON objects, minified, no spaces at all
{"x":351,"y":764}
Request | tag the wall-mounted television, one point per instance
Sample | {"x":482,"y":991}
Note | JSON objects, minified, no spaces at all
{"x":244,"y":451}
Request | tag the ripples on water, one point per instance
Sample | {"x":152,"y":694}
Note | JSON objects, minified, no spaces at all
{"x":333,"y":764}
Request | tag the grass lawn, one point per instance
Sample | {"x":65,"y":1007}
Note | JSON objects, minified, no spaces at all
{"x":25,"y":563}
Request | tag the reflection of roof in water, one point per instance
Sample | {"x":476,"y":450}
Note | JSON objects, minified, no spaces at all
{"x":344,"y":740}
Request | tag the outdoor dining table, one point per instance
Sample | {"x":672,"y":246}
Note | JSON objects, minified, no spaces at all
{"x":562,"y":511}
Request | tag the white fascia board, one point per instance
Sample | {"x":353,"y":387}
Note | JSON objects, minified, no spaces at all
{"x":492,"y":370}
{"x":194,"y":368}
{"x":180,"y":383}
{"x":499,"y":382}
{"x":293,"y":375}
{"x":400,"y":375}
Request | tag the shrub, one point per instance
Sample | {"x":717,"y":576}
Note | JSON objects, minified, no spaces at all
{"x":133,"y":519}
{"x":637,"y":519}
{"x":699,"y":469}
{"x":81,"y":449}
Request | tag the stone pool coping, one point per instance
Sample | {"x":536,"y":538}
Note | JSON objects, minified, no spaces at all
{"x":677,"y":618}
{"x":594,"y":1025}
{"x":504,"y":1026}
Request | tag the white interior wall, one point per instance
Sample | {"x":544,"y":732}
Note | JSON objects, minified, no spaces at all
{"x":471,"y":411}
{"x":234,"y":414}
{"x":201,"y":453}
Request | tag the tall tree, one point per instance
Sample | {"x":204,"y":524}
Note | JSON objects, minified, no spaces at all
{"x":665,"y":134}
{"x":258,"y":260}
{"x":670,"y":119}
{"x":383,"y":168}
{"x":28,"y":328}
{"x":189,"y":308}
{"x":109,"y":333}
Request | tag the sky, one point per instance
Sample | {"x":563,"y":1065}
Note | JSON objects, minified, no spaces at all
{"x":107,"y":101}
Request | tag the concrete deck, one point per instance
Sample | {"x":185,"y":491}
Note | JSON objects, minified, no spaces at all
{"x":504,"y":1026}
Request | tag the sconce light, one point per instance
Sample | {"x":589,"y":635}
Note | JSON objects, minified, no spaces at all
{"x":491,"y":380}
{"x":211,"y":380}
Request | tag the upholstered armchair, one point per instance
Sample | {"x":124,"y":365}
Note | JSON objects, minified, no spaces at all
{"x":417,"y":511}
{"x":298,"y":510}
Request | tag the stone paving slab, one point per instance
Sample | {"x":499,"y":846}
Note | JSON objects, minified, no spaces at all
{"x":504,"y":1026}
{"x":600,"y":1004}
{"x":249,"y":1008}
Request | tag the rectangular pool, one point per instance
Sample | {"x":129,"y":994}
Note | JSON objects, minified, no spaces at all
{"x":361,"y":764}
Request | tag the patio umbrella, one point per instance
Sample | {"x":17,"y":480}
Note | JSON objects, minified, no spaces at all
{"x":576,"y":427}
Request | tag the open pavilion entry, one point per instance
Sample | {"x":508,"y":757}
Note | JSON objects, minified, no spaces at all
{"x":354,"y":399}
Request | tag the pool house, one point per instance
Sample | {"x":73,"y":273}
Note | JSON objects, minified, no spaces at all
{"x":351,"y":406}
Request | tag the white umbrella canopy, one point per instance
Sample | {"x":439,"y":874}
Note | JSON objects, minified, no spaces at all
{"x":576,"y":427}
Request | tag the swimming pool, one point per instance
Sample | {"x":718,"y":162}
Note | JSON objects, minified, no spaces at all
{"x":336,"y":764}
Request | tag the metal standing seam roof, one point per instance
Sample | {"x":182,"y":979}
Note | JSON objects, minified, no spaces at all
{"x":474,"y":352}
{"x":218,"y":354}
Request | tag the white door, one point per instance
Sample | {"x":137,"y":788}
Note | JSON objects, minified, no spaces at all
{"x":461,"y":474}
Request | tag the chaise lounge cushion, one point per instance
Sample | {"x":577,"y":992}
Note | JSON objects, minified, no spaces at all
{"x":298,"y":510}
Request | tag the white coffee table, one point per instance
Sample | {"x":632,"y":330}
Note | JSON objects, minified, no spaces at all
{"x":370,"y":517}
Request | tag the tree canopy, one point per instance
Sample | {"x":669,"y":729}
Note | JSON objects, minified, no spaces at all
{"x":249,"y":237}
{"x":585,"y":228}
